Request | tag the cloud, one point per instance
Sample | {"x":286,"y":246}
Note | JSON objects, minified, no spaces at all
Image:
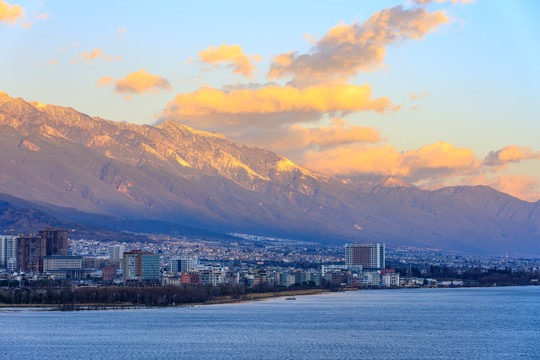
{"x":52,"y":62}
{"x":104,"y":81}
{"x":10,"y":14}
{"x":140,"y":82}
{"x":269,"y":105}
{"x":121,"y":33}
{"x":412,"y":96}
{"x":425,"y":2}
{"x":233,"y":55}
{"x":109,"y":58}
{"x":295,"y":140}
{"x":43,"y":16}
{"x":95,"y":54}
{"x":509,"y":154}
{"x":92,"y":55}
{"x":520,"y":186}
{"x":348,"y":49}
{"x":435,"y":161}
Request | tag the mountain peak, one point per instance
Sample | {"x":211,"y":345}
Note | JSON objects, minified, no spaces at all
{"x":175,"y":125}
{"x":393,"y":182}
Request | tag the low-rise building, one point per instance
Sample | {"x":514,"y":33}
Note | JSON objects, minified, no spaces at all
{"x":63,"y":267}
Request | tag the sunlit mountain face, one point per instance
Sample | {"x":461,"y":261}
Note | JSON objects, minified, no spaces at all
{"x":55,"y":156}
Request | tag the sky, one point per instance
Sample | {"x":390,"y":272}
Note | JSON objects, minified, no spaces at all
{"x":436,"y":93}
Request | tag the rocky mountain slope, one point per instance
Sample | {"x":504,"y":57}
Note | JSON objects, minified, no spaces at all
{"x":56,"y":156}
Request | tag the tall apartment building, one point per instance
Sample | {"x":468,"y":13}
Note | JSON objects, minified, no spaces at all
{"x":367,"y":255}
{"x":116,"y":252}
{"x":8,"y":252}
{"x":140,"y":266}
{"x":30,"y":253}
{"x":56,"y":241}
{"x":183,"y":264}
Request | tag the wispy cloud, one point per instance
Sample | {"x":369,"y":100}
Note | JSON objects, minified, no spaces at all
{"x":348,"y":49}
{"x":232,"y":55}
{"x":93,"y":55}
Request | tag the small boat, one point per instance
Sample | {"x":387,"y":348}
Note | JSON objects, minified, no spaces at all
{"x":291,"y":298}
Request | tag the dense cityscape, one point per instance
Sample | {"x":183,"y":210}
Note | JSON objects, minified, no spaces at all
{"x":252,"y":263}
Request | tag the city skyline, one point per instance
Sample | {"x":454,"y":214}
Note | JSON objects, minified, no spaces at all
{"x":441,"y":97}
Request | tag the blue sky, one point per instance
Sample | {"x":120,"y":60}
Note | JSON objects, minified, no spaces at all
{"x":474,"y":79}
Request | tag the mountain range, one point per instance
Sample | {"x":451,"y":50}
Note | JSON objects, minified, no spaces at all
{"x":79,"y":169}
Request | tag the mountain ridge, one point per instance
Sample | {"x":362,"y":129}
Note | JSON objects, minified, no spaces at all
{"x":180,"y":175}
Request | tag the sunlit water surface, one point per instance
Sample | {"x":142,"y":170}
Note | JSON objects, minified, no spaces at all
{"x":482,"y":323}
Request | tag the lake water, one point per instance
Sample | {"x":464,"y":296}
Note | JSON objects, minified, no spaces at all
{"x":473,"y":323}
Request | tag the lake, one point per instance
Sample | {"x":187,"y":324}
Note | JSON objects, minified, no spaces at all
{"x":462,"y":323}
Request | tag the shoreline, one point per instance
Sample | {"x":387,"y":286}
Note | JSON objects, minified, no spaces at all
{"x":222,"y":300}
{"x":130,"y":306}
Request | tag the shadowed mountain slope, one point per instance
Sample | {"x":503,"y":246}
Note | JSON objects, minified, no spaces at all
{"x":171,"y":173}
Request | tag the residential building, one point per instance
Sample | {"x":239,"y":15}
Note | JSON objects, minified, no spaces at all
{"x":8,"y":252}
{"x":116,"y":252}
{"x":368,"y":255}
{"x":140,"y":266}
{"x":109,"y":273}
{"x":56,"y":241}
{"x":30,"y":253}
{"x":182,"y":264}
{"x":191,"y":278}
{"x":390,"y":279}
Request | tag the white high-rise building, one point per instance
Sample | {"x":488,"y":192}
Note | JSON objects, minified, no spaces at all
{"x":8,"y":252}
{"x":182,"y":264}
{"x":116,"y":252}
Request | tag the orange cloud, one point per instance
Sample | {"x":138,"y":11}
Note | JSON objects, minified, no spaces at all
{"x":91,"y":55}
{"x":433,"y":161}
{"x":104,"y":81}
{"x":273,"y":101}
{"x":139,"y":82}
{"x":43,"y":16}
{"x":10,"y":13}
{"x":509,"y":154}
{"x":234,"y":55}
{"x":424,"y":2}
{"x":296,"y":139}
{"x":520,"y":186}
{"x":347,"y":49}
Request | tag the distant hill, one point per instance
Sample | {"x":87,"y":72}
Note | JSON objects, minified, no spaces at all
{"x":122,"y":175}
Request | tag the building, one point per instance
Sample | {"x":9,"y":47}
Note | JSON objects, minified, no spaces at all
{"x":116,"y":252}
{"x":109,"y":273}
{"x":191,"y":278}
{"x":212,"y":278}
{"x":63,"y":267}
{"x":183,"y":264}
{"x":30,"y":253}
{"x":368,"y":255}
{"x":56,"y":241}
{"x":333,"y":268}
{"x":140,"y":266}
{"x":390,"y":279}
{"x":8,"y":252}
